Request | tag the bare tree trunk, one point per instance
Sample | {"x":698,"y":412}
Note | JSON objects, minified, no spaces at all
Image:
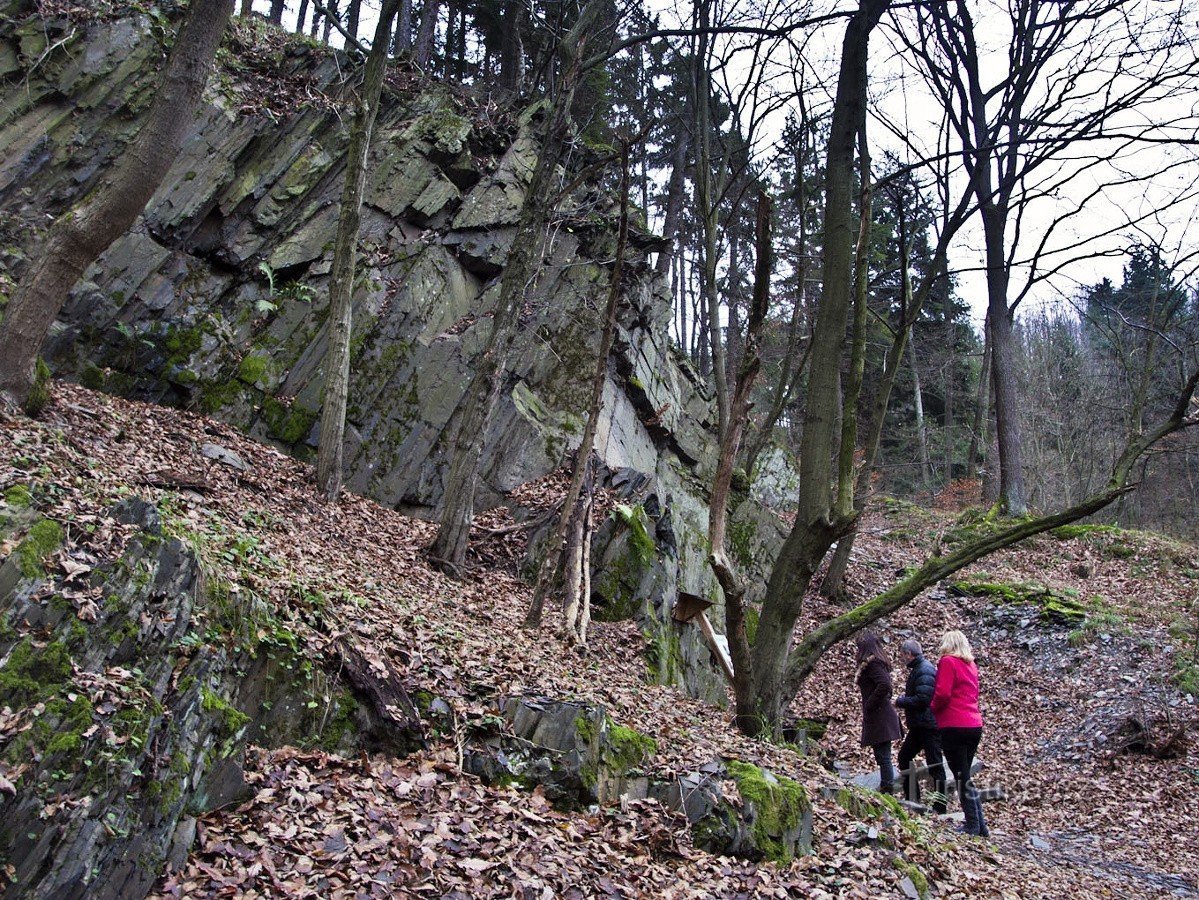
{"x":577,"y":609}
{"x":353,"y":11}
{"x":921,"y":433}
{"x":247,"y":8}
{"x":978,"y":430}
{"x":276,"y":14}
{"x":427,"y":30}
{"x":301,"y":16}
{"x":548,"y":571}
{"x":731,"y":582}
{"x":674,"y":203}
{"x":403,"y":31}
{"x":1003,"y":368}
{"x":512,"y":51}
{"x":453,"y":533}
{"x":815,"y":528}
{"x":80,"y":235}
{"x":345,"y":251}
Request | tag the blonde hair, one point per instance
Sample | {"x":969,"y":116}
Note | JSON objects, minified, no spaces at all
{"x":954,"y":643}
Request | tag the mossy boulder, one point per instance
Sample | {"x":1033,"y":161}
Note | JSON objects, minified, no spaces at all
{"x":1053,"y":606}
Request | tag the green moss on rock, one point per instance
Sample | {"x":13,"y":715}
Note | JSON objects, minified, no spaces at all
{"x":19,"y":496}
{"x":44,"y":537}
{"x":287,"y":424}
{"x":780,"y":805}
{"x":1053,"y":605}
{"x":34,"y":674}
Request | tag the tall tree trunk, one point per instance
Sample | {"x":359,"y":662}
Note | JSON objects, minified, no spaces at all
{"x":815,"y":529}
{"x":80,"y":235}
{"x":422,"y":51}
{"x":512,"y":51}
{"x":709,"y":210}
{"x":978,"y":429}
{"x":345,"y":251}
{"x":1003,"y":366}
{"x":921,"y":431}
{"x":353,"y":12}
{"x":731,"y":583}
{"x":674,"y":202}
{"x":548,"y":570}
{"x":301,"y":16}
{"x":331,"y":11}
{"x":276,"y":14}
{"x":402,"y":40}
{"x":247,"y":8}
{"x":482,"y":395}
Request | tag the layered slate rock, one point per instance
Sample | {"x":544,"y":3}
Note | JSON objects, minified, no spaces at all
{"x":580,"y":757}
{"x":128,"y":699}
{"x":217,"y":299}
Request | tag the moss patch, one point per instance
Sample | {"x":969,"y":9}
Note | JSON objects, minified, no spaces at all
{"x":641,"y":541}
{"x":912,"y":871}
{"x":19,"y":497}
{"x":288,"y":424}
{"x":39,"y":391}
{"x":626,"y":749}
{"x":33,"y":674}
{"x":42,"y":540}
{"x":1053,"y":605}
{"x":780,"y":805}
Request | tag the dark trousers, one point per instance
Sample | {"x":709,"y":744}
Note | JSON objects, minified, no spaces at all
{"x":960,"y":745}
{"x":928,"y":742}
{"x":886,"y":772}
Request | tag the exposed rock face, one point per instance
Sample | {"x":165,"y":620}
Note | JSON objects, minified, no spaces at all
{"x":217,"y":299}
{"x":126,"y":716}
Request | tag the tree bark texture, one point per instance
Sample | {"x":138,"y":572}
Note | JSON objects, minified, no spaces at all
{"x":330,"y":447}
{"x":422,"y":51}
{"x":79,"y":236}
{"x":815,"y":529}
{"x":731,"y":583}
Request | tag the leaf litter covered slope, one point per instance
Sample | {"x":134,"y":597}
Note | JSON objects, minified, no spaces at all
{"x":322,"y":826}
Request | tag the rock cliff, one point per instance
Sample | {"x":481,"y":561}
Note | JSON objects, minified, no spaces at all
{"x":217,"y":298}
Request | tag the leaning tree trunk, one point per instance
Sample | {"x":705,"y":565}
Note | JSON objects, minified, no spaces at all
{"x":548,"y":571}
{"x":482,"y":394}
{"x":80,"y":235}
{"x":345,"y":251}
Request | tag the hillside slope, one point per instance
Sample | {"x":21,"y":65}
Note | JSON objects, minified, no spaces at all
{"x":395,"y":824}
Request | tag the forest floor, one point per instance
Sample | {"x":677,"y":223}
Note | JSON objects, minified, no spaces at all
{"x":1081,"y":818}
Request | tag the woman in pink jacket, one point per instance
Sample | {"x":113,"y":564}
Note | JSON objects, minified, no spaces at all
{"x":955,"y":704}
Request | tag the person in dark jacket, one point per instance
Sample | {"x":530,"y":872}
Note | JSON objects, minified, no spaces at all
{"x":922,"y":726}
{"x":880,"y":724}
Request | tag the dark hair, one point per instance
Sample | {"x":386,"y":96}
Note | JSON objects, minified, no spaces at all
{"x":870,"y":646}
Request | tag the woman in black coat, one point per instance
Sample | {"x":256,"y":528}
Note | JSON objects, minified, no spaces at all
{"x":880,"y":723}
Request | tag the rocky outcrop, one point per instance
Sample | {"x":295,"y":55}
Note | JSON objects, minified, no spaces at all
{"x":128,"y":694}
{"x":216,"y":300}
{"x":580,"y":757}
